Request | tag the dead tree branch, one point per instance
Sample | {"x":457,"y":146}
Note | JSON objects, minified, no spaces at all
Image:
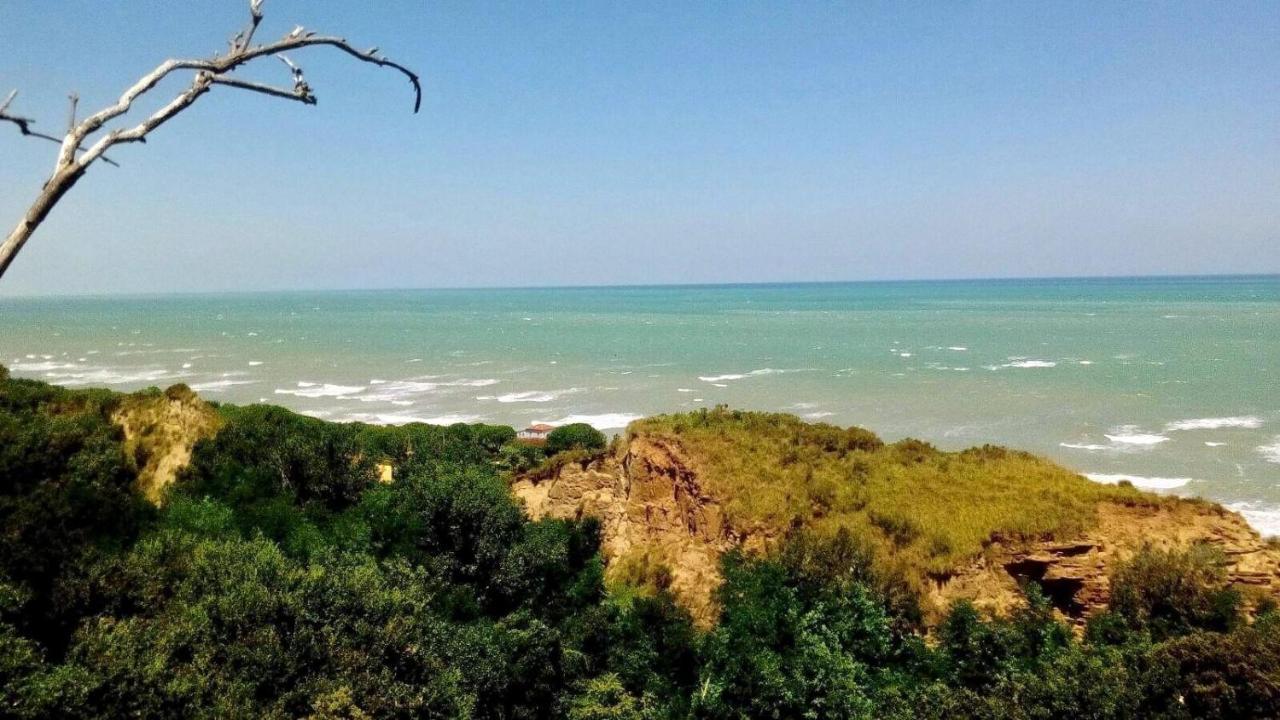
{"x":307,"y":98}
{"x":88,"y":140}
{"x":24,"y":126}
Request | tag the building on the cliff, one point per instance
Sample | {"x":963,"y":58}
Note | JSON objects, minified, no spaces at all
{"x":535,"y":433}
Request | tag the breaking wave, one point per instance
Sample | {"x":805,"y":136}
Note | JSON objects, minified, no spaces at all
{"x":602,"y":421}
{"x":1146,"y":483}
{"x":1130,"y":435}
{"x":530,"y":396}
{"x":1264,"y":518}
{"x":1271,"y":453}
{"x":740,"y":376}
{"x":319,"y":390}
{"x":1249,"y":422}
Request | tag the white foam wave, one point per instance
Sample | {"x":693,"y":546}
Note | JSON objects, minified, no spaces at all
{"x":73,"y":375}
{"x":1086,"y":446}
{"x":1271,"y":453}
{"x":1249,"y":422}
{"x":1131,"y":435}
{"x":404,"y":419}
{"x":44,"y":366}
{"x":602,"y":421}
{"x":1147,"y":483}
{"x":452,"y":419}
{"x":219,"y":385}
{"x":1210,"y":443}
{"x":403,"y":390}
{"x":1264,"y":518}
{"x":740,"y":376}
{"x":316,"y":390}
{"x":529,"y":396}
{"x":958,"y":348}
{"x":1032,"y":364}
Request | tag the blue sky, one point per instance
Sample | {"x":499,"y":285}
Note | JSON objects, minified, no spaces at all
{"x":602,"y":143}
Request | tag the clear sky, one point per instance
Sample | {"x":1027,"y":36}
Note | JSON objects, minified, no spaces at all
{"x":603,"y":143}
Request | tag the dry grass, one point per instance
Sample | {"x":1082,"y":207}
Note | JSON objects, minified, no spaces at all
{"x":929,"y":509}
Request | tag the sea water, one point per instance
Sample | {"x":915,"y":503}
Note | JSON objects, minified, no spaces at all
{"x":1170,"y":383}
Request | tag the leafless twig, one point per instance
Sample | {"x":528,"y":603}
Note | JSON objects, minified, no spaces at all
{"x":82,"y":145}
{"x":24,"y":126}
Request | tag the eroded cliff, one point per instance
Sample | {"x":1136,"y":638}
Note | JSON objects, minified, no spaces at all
{"x":657,"y":510}
{"x":161,"y":430}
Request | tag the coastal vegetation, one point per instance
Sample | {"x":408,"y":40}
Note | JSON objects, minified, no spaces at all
{"x":575,"y":436}
{"x":279,"y":575}
{"x":932,"y":509}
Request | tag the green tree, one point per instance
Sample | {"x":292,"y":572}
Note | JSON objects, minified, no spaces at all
{"x":603,"y":698}
{"x":787,"y":646}
{"x":1173,"y":592}
{"x":575,"y":436}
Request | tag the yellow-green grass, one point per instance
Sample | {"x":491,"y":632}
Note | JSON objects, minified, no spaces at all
{"x":928,"y":509}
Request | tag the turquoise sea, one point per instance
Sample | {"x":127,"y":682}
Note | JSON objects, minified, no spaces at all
{"x":1173,"y":383}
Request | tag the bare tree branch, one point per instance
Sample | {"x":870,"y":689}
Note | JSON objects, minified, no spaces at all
{"x":219,"y":66}
{"x":23,"y":123}
{"x":308,"y":99}
{"x":244,"y":38}
{"x":71,"y":112}
{"x":24,"y":126}
{"x":78,"y":150}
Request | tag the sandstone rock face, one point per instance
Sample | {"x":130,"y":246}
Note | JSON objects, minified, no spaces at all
{"x":164,"y":430}
{"x":1075,"y":574}
{"x":649,"y":501}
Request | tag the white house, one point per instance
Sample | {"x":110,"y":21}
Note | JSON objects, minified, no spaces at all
{"x":535,"y":433}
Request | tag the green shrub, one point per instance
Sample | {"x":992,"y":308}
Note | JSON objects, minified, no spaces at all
{"x":575,"y":436}
{"x":1173,"y":592}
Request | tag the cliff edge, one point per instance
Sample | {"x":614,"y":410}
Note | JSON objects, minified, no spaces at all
{"x":666,"y":510}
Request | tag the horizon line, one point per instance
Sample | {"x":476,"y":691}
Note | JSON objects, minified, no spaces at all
{"x":624,"y":286}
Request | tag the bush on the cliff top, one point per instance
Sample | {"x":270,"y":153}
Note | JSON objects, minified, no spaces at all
{"x":575,"y":436}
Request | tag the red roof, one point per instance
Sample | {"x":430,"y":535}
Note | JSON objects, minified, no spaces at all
{"x":542,"y":427}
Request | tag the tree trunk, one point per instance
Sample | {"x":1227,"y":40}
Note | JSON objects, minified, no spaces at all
{"x":58,"y":185}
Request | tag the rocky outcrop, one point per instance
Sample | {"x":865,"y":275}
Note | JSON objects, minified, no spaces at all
{"x":1076,"y":574}
{"x":160,"y":432}
{"x":652,"y":506}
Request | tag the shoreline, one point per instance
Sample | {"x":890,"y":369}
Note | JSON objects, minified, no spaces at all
{"x":1263,"y":518}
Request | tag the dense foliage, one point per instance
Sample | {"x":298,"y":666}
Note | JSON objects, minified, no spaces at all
{"x":280,"y":578}
{"x":575,"y":436}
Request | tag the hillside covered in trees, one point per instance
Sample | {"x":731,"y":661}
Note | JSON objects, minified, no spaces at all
{"x":281,"y":575}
